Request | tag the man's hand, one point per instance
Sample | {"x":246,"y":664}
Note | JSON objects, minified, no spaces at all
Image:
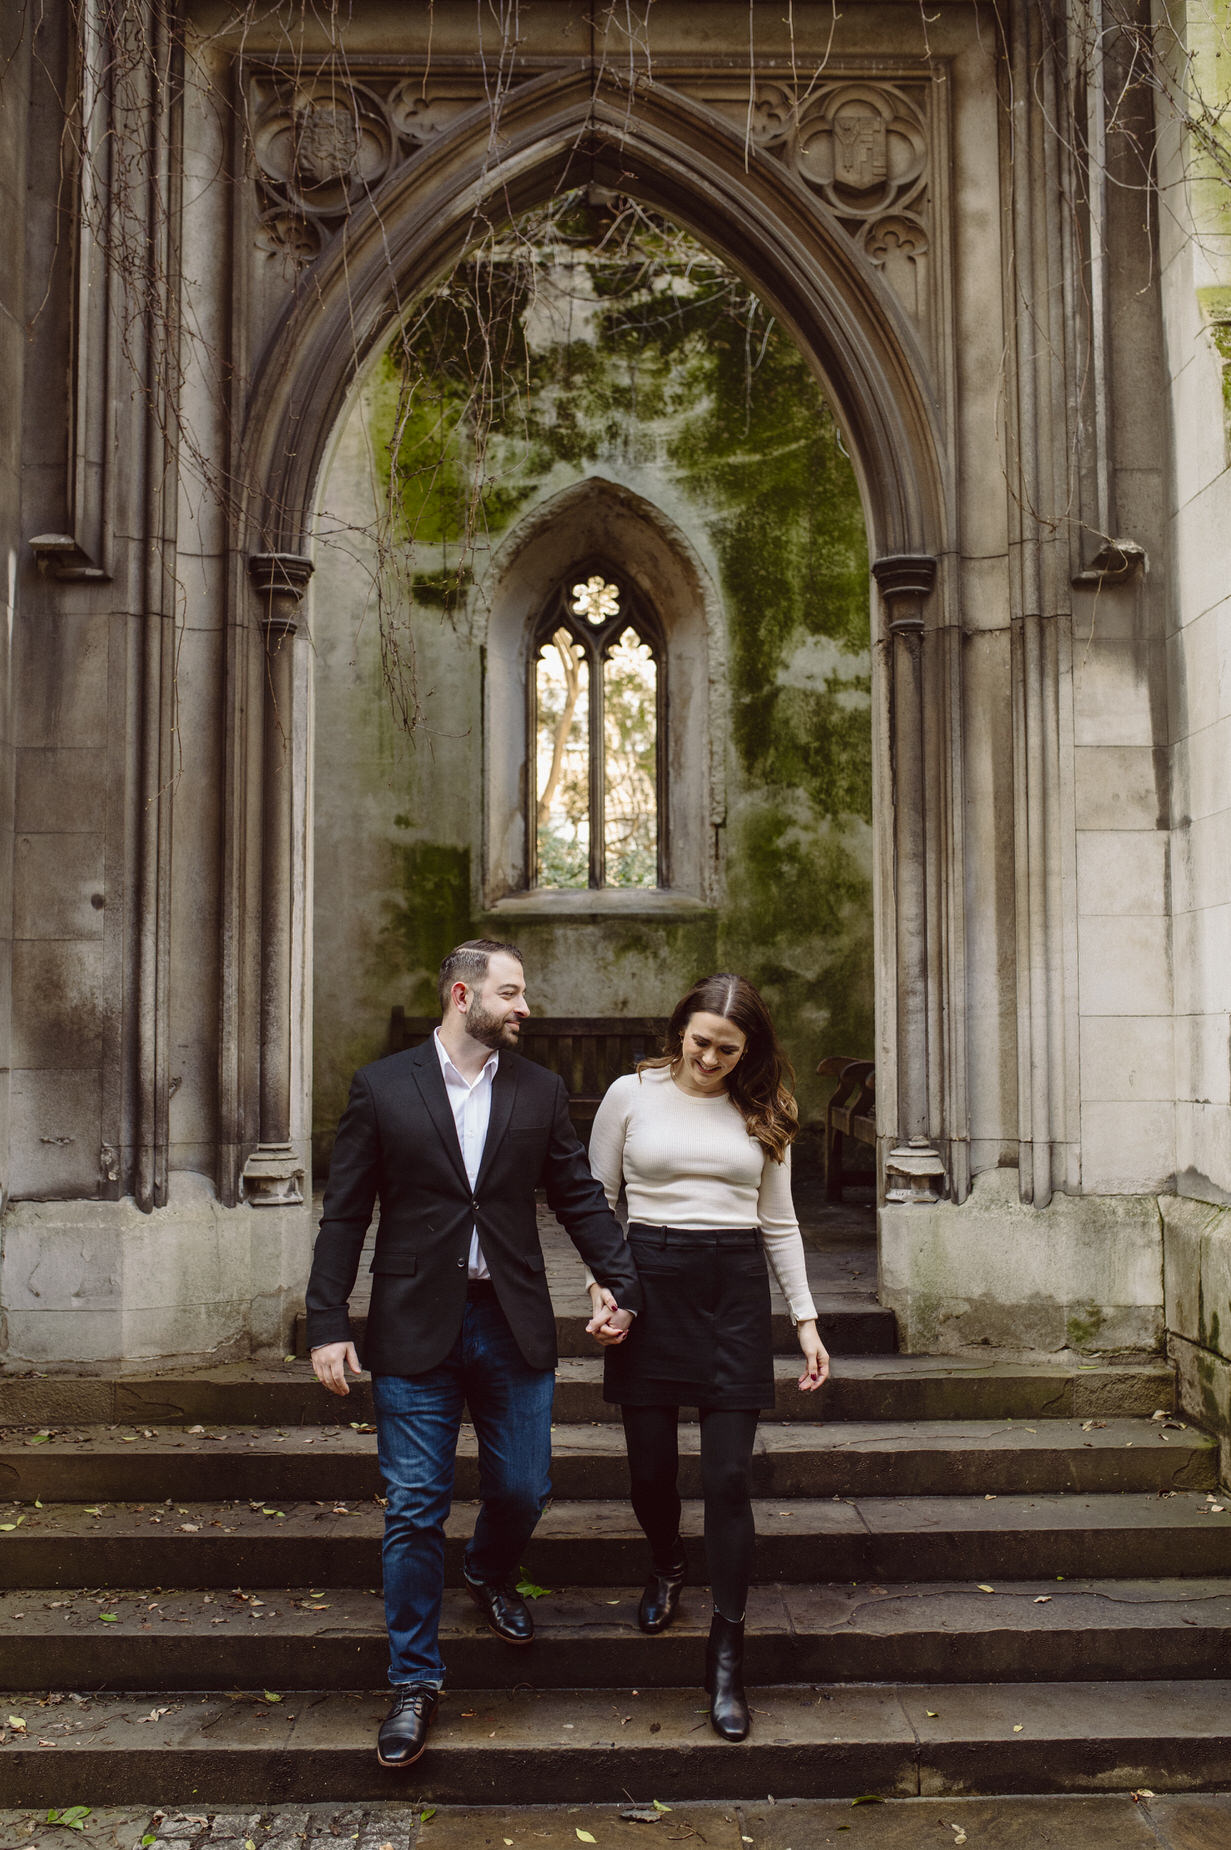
{"x":331,"y":1362}
{"x":609,"y":1324}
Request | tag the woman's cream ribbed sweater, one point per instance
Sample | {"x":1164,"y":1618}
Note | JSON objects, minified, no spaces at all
{"x":689,"y":1162}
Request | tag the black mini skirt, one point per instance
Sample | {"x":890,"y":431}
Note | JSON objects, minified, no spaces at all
{"x":703,"y":1337}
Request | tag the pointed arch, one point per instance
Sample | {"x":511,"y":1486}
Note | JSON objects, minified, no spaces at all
{"x":559,"y":131}
{"x":563,"y":130}
{"x":591,"y":518}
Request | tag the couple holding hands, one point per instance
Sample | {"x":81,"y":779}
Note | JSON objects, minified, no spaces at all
{"x":453,"y":1138}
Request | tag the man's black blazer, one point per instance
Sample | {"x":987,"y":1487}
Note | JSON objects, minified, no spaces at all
{"x":398,"y":1141}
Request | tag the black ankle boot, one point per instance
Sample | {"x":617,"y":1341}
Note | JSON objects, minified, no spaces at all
{"x":662,"y":1594}
{"x":724,"y":1678}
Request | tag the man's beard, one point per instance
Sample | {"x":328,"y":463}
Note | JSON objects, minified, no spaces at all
{"x":491,"y":1030}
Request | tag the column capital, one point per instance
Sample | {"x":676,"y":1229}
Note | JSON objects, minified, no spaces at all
{"x":904,"y":575}
{"x":280,"y":579}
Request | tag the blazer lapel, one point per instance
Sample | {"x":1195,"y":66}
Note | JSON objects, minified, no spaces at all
{"x":504,"y":1091}
{"x":431,"y":1083}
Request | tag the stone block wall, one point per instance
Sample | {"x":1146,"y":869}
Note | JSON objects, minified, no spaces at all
{"x":1195,"y":251}
{"x":1197,"y":1248}
{"x":14,"y":53}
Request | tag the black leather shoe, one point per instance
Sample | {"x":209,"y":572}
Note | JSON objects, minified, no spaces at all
{"x":403,"y":1733}
{"x":503,"y":1607}
{"x":661,"y":1596}
{"x":724,"y":1679}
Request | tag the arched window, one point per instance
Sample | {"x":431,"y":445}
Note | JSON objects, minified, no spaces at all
{"x":597,"y":704}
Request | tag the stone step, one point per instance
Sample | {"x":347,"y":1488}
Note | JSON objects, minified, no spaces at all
{"x":851,"y":1458}
{"x":524,"y":1746}
{"x":890,"y":1387}
{"x":848,"y":1326}
{"x":334,"y":1639}
{"x":207,"y":1545}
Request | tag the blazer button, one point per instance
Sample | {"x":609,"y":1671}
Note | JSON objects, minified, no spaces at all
{"x":461,"y":1262}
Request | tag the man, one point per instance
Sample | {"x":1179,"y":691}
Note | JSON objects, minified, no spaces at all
{"x":453,"y":1138}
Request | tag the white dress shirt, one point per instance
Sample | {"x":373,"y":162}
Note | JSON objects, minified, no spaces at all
{"x":472,"y":1110}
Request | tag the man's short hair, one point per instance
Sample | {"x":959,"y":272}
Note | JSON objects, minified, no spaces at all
{"x":467,"y":963}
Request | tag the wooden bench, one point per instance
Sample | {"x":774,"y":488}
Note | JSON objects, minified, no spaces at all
{"x":851,"y":1112}
{"x":587,"y":1051}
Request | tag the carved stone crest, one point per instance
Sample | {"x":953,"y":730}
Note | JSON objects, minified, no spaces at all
{"x":328,"y":141}
{"x":860,"y":150}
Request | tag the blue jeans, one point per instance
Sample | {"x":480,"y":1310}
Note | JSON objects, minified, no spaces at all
{"x":418,"y":1419}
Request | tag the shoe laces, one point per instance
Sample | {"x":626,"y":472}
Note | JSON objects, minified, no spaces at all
{"x":418,"y":1697}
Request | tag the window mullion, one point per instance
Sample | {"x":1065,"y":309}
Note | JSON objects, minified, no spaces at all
{"x":598,"y":770}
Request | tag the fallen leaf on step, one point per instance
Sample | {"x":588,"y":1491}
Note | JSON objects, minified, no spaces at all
{"x":585,"y":1836}
{"x":1143,"y":1792}
{"x":959,"y":1833}
{"x":1043,"y":1599}
{"x":1017,"y":1727}
{"x":932,"y":1714}
{"x":985,"y":1589}
{"x":640,"y":1815}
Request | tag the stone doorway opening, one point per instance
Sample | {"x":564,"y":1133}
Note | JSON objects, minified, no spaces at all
{"x":590,"y":525}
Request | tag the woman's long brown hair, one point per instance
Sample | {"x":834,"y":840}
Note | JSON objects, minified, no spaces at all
{"x":759,"y":1084}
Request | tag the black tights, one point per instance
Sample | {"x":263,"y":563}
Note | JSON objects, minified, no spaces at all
{"x":727,"y":1435}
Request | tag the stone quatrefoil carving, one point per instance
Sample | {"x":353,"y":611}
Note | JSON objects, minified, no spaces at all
{"x":863,"y":149}
{"x":322,"y":145}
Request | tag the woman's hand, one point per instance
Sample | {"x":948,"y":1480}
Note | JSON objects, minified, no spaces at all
{"x":816,"y":1356}
{"x":609,"y":1324}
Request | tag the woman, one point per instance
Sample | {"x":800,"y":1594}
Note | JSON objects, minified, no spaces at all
{"x":701,"y":1140}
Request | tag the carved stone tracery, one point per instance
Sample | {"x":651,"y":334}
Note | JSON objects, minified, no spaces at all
{"x":861,"y":146}
{"x":321,"y":145}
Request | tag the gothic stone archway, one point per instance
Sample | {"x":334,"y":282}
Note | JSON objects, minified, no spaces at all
{"x":673,"y":147}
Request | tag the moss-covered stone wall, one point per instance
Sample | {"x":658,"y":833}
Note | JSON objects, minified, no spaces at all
{"x":581,"y":347}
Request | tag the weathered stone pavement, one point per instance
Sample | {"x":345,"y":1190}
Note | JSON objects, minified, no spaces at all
{"x":1120,"y":1821}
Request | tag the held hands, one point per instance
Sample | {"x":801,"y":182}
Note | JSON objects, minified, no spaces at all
{"x":609,"y":1324}
{"x":331,"y":1362}
{"x":816,"y":1357}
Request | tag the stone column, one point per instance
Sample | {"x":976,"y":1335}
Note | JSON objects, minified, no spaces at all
{"x":914,"y":1169}
{"x":273,"y":1173}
